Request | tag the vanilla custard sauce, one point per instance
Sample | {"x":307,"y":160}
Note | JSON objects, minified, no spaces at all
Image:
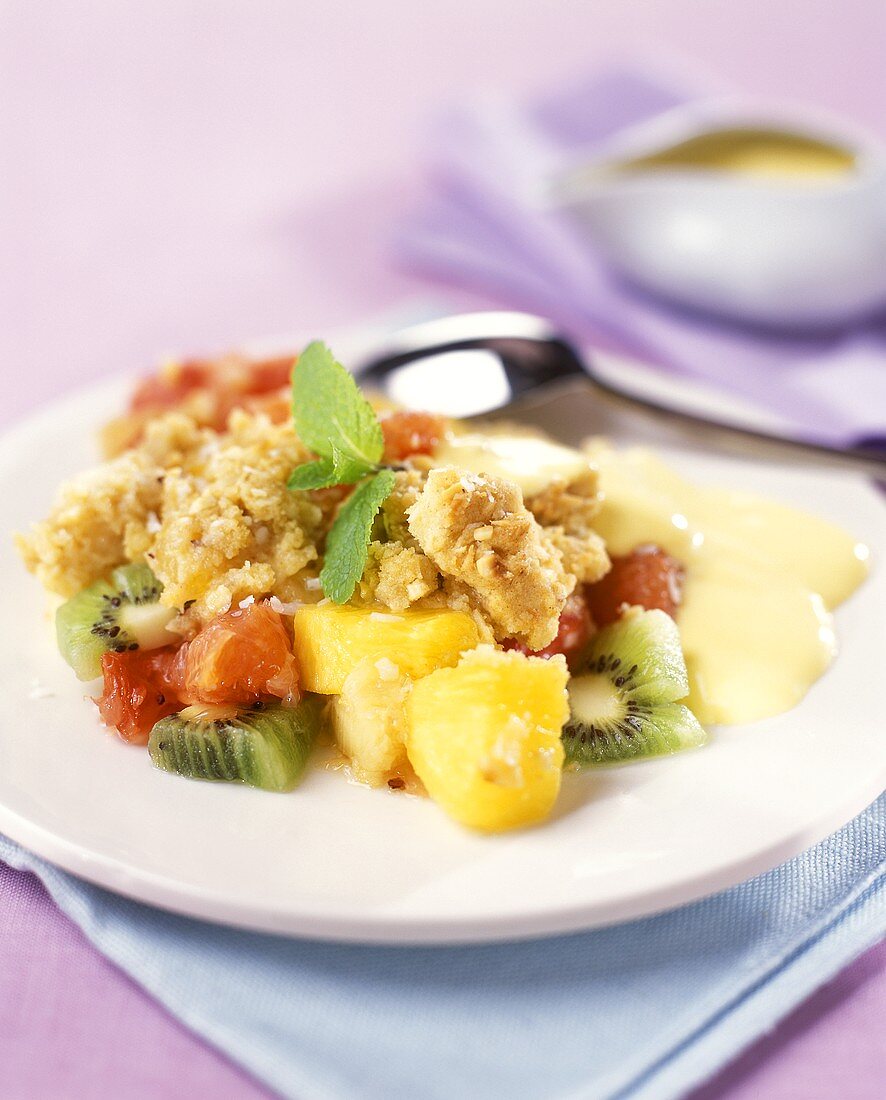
{"x":528,"y":459}
{"x":763,"y":154}
{"x":761,"y":578}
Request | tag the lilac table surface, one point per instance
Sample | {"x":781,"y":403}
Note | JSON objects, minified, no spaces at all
{"x":190,"y":175}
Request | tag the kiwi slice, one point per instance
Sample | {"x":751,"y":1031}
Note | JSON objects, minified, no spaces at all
{"x":115,"y":615}
{"x":625,"y":704}
{"x":264,"y":746}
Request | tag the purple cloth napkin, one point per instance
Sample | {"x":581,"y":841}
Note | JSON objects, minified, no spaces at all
{"x":484,"y":228}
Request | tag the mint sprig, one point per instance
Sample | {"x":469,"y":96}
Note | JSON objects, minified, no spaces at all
{"x":339,"y":425}
{"x":334,"y":419}
{"x":347,"y":543}
{"x":314,"y":475}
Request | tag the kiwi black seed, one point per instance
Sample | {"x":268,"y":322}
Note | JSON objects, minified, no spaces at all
{"x":263,"y":746}
{"x":625,"y":704}
{"x":117,"y":615}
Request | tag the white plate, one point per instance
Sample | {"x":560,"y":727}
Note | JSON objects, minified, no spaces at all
{"x":339,"y":861}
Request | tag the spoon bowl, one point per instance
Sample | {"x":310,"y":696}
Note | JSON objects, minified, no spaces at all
{"x":482,"y":364}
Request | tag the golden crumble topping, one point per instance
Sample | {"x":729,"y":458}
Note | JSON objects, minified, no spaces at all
{"x":567,"y":510}
{"x":109,"y":515}
{"x":209,"y":512}
{"x":397,"y":576}
{"x":406,"y":491}
{"x":234,"y":530}
{"x":477,"y":530}
{"x":572,"y":505}
{"x":584,"y":556}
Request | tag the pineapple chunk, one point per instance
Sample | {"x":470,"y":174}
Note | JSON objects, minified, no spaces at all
{"x":369,"y":720}
{"x":484,"y":737}
{"x":330,"y":642}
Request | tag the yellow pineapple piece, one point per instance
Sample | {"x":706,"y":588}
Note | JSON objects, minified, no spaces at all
{"x":484,"y":737}
{"x":330,"y":641}
{"x":369,"y":720}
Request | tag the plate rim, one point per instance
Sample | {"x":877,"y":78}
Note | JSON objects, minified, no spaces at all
{"x":379,"y":929}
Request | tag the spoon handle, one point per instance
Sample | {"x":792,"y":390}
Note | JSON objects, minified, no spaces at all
{"x":533,"y":360}
{"x":869,"y":460}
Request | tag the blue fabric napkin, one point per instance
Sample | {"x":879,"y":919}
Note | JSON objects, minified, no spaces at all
{"x":642,"y":1010}
{"x":486,"y":227}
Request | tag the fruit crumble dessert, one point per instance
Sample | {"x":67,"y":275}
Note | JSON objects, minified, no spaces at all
{"x":268,"y":558}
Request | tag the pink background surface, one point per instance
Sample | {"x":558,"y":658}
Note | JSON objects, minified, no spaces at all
{"x":190,"y":175}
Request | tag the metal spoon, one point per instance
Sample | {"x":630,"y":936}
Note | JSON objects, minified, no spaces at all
{"x":474,"y":364}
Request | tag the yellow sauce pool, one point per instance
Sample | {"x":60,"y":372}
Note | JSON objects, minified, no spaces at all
{"x":530,"y":461}
{"x":763,"y":154}
{"x":761,"y":578}
{"x":761,"y":581}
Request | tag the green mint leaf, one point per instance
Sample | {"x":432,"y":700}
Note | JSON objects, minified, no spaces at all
{"x":348,"y":541}
{"x":349,"y":470}
{"x":331,"y":416}
{"x":325,"y":472}
{"x":314,"y":475}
